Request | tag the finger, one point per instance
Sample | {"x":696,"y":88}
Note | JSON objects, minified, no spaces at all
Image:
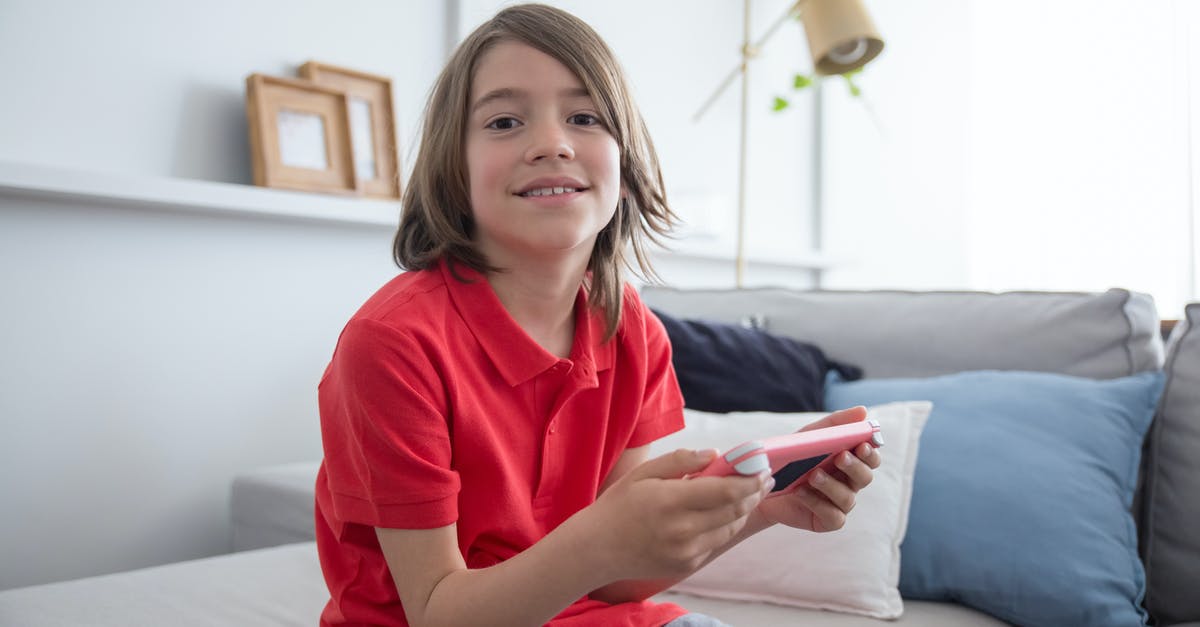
{"x":706,"y":493}
{"x":697,"y":522}
{"x":869,"y":454}
{"x":720,"y":536}
{"x":825,"y":515}
{"x":674,"y":465}
{"x":697,"y":547}
{"x":841,"y":417}
{"x":838,"y":493}
{"x":855,"y":472}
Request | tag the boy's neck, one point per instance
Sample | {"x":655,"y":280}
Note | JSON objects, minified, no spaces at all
{"x":541,"y":299}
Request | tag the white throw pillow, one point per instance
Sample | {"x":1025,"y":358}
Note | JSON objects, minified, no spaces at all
{"x":855,"y":569}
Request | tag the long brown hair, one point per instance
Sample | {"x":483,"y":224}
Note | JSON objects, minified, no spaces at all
{"x":437,"y":220}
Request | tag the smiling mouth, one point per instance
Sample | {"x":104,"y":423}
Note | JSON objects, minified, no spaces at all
{"x":550,"y":191}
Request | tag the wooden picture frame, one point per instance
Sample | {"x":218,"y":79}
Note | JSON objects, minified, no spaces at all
{"x":299,"y":135}
{"x":372,"y":125}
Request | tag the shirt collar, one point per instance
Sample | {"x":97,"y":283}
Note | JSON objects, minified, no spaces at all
{"x":515,"y":355}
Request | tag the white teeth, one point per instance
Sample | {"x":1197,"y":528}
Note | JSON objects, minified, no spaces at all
{"x":549,"y":191}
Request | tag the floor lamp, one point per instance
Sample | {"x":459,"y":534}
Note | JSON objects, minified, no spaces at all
{"x":841,"y":37}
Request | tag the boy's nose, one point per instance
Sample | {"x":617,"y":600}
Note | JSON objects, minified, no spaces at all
{"x":549,"y":142}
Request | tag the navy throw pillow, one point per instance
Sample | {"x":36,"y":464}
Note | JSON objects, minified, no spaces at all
{"x":725,"y":368}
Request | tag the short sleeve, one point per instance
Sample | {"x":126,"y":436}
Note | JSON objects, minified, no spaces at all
{"x":385,"y":432}
{"x":662,"y":403}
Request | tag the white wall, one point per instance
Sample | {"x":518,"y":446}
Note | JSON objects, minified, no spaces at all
{"x":157,"y":88}
{"x":148,"y":356}
{"x":1020,"y":145}
{"x":1080,"y":142}
{"x":896,"y":159}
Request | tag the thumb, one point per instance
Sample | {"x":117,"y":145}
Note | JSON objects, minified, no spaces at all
{"x":840,"y":417}
{"x":675,"y":464}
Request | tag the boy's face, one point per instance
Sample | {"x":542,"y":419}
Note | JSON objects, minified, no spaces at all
{"x":544,"y":172}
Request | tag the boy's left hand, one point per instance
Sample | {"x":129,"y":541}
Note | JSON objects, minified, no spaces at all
{"x":820,"y":500}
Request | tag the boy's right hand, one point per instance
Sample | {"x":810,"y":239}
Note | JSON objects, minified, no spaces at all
{"x":651,"y":524}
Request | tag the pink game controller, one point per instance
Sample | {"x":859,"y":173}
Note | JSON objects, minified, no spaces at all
{"x":790,"y":456}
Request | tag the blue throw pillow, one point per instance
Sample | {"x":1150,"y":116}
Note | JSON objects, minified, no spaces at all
{"x":724,"y":367}
{"x":1022,"y":493}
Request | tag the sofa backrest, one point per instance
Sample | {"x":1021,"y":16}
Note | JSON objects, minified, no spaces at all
{"x":1169,"y":530}
{"x":918,"y":334}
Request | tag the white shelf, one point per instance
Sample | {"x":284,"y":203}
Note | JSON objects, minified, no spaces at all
{"x":714,"y":251}
{"x":20,"y":180}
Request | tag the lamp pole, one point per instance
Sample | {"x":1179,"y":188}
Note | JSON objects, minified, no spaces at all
{"x":743,"y":114}
{"x":749,"y":51}
{"x":841,"y":38}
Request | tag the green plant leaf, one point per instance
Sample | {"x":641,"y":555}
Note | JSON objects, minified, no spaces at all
{"x":855,"y":90}
{"x":801,"y":81}
{"x":780,"y":104}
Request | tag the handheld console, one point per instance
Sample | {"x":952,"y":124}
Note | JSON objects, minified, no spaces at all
{"x":790,"y":456}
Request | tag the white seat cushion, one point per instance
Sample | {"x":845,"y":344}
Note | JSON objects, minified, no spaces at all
{"x":282,"y":586}
{"x":276,"y":586}
{"x":916,"y":614}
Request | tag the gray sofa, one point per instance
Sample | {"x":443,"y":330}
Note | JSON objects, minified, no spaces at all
{"x":273,"y":577}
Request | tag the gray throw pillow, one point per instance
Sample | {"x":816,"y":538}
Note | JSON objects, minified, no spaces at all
{"x":1170,"y":529}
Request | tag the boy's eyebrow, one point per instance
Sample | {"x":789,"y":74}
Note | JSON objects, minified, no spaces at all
{"x":508,"y":93}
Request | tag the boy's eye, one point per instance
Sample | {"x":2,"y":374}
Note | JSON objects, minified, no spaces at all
{"x":584,"y":119}
{"x":503,"y":124}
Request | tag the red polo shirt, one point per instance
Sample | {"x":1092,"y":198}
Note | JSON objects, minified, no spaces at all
{"x":438,"y":408}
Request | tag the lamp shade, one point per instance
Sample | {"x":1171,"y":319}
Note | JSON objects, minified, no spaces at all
{"x":841,"y":35}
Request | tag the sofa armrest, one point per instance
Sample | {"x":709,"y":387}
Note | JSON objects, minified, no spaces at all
{"x":273,"y":506}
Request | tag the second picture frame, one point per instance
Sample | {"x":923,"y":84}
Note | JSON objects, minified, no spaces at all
{"x":372,"y":125}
